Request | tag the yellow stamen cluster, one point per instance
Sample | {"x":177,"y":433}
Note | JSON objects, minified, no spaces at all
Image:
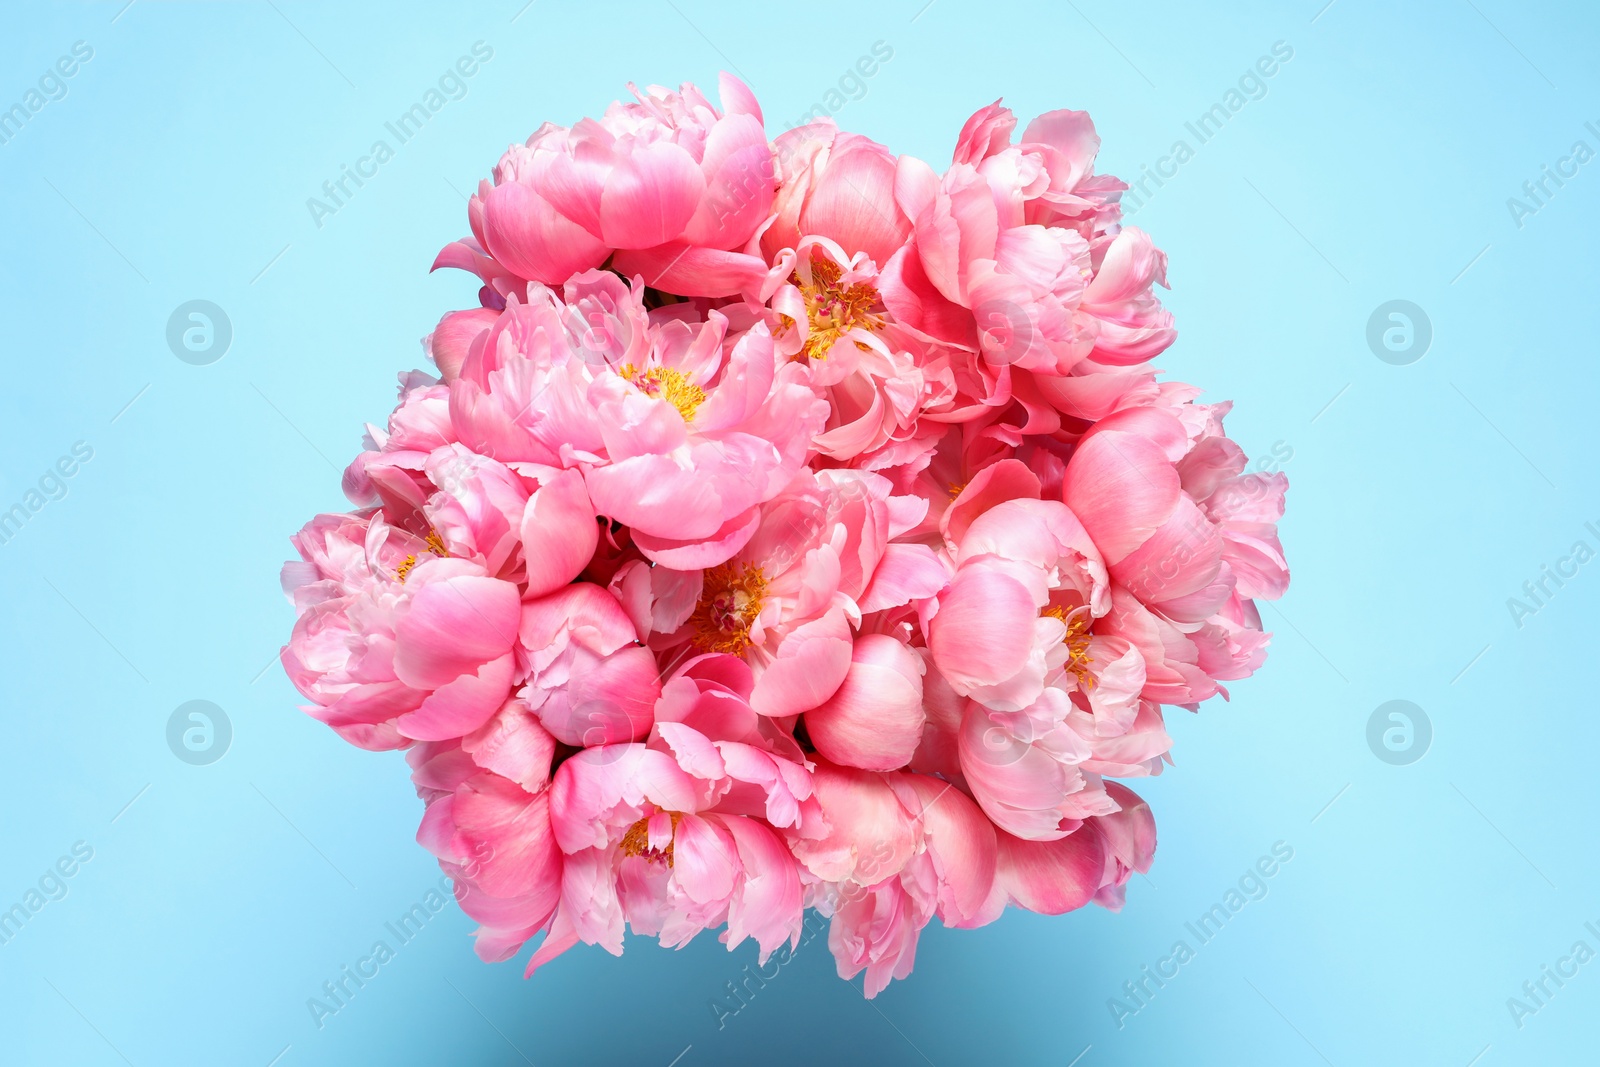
{"x":435,"y":544}
{"x":833,"y":310}
{"x":673,"y":386}
{"x":1077,"y":641}
{"x":730,"y":600}
{"x":636,"y":841}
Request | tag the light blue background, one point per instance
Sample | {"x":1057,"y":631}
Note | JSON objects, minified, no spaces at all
{"x":1376,"y":167}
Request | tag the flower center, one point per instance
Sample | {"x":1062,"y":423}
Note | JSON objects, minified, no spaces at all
{"x":636,"y":841}
{"x":673,"y":386}
{"x":435,"y":545}
{"x":730,"y":600}
{"x":833,"y":310}
{"x":1077,"y":642}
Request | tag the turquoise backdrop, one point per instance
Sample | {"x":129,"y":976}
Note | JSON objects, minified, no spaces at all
{"x":1305,"y":166}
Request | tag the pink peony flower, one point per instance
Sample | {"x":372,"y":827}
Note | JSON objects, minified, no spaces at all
{"x":668,"y":183}
{"x":675,"y":836}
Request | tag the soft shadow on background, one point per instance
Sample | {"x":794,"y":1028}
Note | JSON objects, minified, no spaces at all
{"x":1380,"y":251}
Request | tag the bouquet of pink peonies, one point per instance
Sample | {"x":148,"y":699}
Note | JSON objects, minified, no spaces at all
{"x":792,"y":526}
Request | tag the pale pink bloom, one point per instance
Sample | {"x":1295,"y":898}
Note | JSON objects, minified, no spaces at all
{"x":450,"y":341}
{"x":669,"y":182}
{"x":419,"y":424}
{"x":875,"y":928}
{"x":1189,"y":539}
{"x":1130,"y":844}
{"x":1092,"y":864}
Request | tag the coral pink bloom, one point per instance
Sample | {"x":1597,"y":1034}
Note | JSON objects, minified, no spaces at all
{"x":874,"y":719}
{"x":839,"y":186}
{"x":670,"y":182}
{"x":1025,"y":768}
{"x":390,"y":649}
{"x":675,"y":837}
{"x":679,"y":433}
{"x":832,"y":319}
{"x":1122,"y":482}
{"x":590,"y":681}
{"x":1028,"y":584}
{"x":786,"y":601}
{"x":492,"y":833}
{"x":931,"y":852}
{"x":1016,"y":262}
{"x":1190,"y":540}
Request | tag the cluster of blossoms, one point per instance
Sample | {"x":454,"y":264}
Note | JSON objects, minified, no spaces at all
{"x":791,"y":526}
